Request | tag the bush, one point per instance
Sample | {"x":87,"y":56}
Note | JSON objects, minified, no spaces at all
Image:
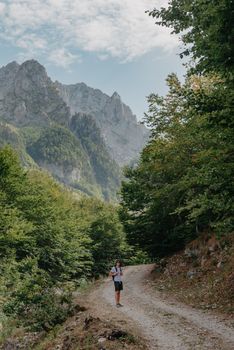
{"x":139,"y":257}
{"x":33,"y":299}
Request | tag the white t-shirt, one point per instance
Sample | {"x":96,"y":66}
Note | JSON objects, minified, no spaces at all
{"x":117,"y":278}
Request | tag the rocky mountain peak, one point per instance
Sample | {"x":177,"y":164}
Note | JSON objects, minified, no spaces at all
{"x":116,"y":96}
{"x":11,"y":66}
{"x":120,"y":130}
{"x":28,"y":96}
{"x":7,"y":76}
{"x":79,"y":134}
{"x":34,"y":70}
{"x":31,"y":77}
{"x":33,"y":64}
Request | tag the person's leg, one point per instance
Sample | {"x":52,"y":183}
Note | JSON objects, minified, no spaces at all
{"x":116,"y":297}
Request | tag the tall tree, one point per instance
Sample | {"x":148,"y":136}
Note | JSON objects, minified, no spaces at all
{"x":207,"y":31}
{"x":183,"y":182}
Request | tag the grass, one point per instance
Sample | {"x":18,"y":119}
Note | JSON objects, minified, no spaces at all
{"x":9,"y":328}
{"x":48,"y":339}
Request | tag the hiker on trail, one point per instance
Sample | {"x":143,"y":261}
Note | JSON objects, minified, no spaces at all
{"x":117,"y":273}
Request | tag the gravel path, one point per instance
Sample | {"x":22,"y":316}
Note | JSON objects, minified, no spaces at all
{"x":166,"y":325}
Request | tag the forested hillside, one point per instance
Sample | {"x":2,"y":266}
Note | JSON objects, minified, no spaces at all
{"x":183,"y":184}
{"x":50,"y":240}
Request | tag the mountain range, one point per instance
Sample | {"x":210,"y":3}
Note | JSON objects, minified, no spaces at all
{"x":82,"y":136}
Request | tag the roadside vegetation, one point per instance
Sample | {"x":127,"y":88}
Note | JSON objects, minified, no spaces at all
{"x":183,"y":183}
{"x":50,"y":244}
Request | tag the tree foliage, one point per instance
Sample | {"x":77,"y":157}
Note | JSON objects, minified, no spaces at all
{"x":49,"y":239}
{"x":183,"y":183}
{"x":206,"y":29}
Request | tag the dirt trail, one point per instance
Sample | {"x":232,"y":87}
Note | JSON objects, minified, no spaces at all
{"x":166,"y":325}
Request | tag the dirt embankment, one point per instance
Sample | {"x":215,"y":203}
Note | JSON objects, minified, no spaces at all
{"x":201,"y":276}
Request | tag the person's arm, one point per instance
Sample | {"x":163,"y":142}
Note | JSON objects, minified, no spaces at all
{"x":113,"y":272}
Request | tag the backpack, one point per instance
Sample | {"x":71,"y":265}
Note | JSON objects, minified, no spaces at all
{"x":113,"y":277}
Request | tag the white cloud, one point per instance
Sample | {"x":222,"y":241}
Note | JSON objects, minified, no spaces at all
{"x":62,"y":58}
{"x":2,"y":8}
{"x":29,"y":41}
{"x":59,"y":28}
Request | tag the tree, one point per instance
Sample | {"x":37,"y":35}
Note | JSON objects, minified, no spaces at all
{"x":102,"y":223}
{"x":206,"y":28}
{"x":182,"y":184}
{"x":49,"y":239}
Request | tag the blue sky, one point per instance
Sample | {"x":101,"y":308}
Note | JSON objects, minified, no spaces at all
{"x":108,"y":44}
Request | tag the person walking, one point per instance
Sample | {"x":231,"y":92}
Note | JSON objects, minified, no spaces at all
{"x":117,"y":273}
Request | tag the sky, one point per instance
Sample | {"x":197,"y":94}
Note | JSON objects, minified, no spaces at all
{"x":112,"y":45}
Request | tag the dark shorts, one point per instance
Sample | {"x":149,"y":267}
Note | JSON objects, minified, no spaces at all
{"x":118,"y":286}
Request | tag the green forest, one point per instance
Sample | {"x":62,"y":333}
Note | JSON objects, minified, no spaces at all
{"x":183,"y":184}
{"x":52,"y":240}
